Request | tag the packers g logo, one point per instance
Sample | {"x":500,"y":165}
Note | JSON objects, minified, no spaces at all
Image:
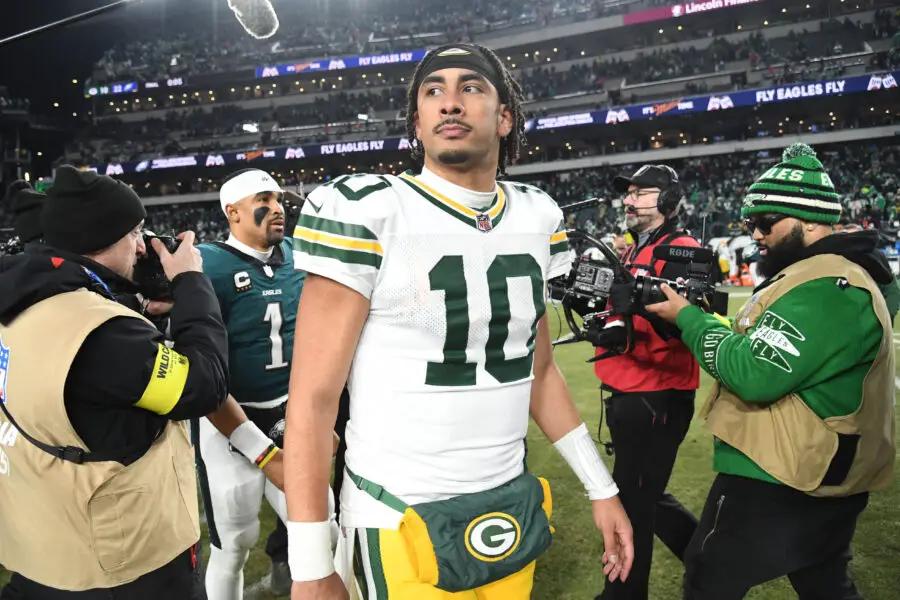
{"x":493,"y":537}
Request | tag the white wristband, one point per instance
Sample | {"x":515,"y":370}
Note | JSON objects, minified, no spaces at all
{"x":579,"y":450}
{"x":250,"y":440}
{"x":309,"y":550}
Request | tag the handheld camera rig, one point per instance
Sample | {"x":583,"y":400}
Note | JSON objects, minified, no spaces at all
{"x":586,"y":289}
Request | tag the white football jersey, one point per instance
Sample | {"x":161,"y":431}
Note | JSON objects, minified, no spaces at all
{"x":440,"y":383}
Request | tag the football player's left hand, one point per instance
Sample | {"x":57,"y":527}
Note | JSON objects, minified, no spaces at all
{"x":618,"y":537}
{"x":274,"y":470}
{"x":669,"y":309}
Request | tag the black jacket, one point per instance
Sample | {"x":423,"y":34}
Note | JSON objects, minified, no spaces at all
{"x":114,"y":365}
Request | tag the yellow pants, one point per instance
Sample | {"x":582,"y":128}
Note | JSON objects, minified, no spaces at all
{"x":390,"y":575}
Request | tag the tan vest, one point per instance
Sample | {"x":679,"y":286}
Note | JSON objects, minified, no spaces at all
{"x":95,"y":525}
{"x":786,"y":438}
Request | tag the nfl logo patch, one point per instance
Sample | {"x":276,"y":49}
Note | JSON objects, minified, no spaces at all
{"x":484,"y":223}
{"x":4,"y":370}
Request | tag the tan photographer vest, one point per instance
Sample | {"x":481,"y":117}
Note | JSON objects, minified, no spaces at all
{"x":94,"y":525}
{"x":786,"y":438}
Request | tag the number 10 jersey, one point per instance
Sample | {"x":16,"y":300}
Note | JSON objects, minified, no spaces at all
{"x":440,"y":383}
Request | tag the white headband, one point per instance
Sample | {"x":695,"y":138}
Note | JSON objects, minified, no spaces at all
{"x":246,"y":184}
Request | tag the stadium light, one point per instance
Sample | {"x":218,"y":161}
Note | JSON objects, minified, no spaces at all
{"x":75,"y":82}
{"x":56,"y":105}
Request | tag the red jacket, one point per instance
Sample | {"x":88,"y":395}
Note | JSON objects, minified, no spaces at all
{"x":655,"y":364}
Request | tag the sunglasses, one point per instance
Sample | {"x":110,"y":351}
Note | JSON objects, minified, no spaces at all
{"x":763,"y":222}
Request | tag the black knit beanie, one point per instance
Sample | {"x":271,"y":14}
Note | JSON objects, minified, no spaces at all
{"x":25,"y":205}
{"x":86,"y":212}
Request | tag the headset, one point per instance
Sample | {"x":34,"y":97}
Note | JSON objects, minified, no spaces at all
{"x":668,"y":200}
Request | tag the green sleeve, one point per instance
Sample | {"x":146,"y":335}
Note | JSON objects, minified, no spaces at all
{"x":891,"y":292}
{"x":812,"y":333}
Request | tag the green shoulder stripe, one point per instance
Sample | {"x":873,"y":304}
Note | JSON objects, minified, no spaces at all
{"x":344,"y":255}
{"x":324,"y":225}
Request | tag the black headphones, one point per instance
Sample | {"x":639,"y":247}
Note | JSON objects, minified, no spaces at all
{"x":669,"y":198}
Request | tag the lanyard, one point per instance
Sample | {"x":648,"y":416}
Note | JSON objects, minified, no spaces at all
{"x":100,"y":282}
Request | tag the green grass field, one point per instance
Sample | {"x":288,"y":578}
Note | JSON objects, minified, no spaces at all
{"x":571,"y":568}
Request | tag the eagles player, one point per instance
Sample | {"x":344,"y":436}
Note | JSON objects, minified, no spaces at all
{"x":426,"y":293}
{"x":258,"y":289}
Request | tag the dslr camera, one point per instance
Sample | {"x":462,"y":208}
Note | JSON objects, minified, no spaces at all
{"x":148,"y":271}
{"x":12,"y":246}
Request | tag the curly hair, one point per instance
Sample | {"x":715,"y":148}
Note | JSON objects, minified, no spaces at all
{"x":510,"y":146}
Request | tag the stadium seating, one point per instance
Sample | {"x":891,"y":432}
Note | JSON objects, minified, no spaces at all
{"x":611,"y":73}
{"x":565,"y":64}
{"x":713,"y":190}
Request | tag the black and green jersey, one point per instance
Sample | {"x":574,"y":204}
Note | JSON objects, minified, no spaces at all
{"x":259,"y":305}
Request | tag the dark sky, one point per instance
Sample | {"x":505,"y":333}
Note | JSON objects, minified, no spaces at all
{"x":43,"y":66}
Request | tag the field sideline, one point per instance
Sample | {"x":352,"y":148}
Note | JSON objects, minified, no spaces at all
{"x":571,"y":568}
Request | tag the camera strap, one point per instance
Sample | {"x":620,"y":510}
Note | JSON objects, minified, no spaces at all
{"x":72,"y":454}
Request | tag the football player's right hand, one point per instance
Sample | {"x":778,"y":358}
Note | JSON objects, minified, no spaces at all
{"x":274,"y":470}
{"x":187,"y":258}
{"x":329,"y":588}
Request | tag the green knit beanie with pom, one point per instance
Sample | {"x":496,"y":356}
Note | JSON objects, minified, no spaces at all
{"x":798,"y":186}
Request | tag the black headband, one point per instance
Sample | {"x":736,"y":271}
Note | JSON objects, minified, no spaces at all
{"x":462,"y":56}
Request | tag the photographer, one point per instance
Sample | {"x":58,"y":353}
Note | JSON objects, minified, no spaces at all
{"x":802,"y":409}
{"x":652,"y":387}
{"x":97,"y":475}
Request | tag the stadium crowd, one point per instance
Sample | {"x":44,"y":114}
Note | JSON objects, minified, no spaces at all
{"x":784,"y":60}
{"x":867,"y":178}
{"x":330,"y":31}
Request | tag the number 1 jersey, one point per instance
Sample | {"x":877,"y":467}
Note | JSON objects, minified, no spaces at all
{"x":259,"y":306}
{"x":441,"y":380}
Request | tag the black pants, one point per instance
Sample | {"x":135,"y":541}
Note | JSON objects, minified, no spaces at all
{"x":178,"y":580}
{"x":751,"y":532}
{"x":340,"y":427}
{"x":647,"y":429}
{"x":277,"y":543}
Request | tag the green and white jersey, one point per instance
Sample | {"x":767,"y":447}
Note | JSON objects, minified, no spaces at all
{"x":441,"y":380}
{"x":259,"y":306}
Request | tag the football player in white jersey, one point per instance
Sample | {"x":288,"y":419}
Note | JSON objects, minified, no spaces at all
{"x":426,"y":294}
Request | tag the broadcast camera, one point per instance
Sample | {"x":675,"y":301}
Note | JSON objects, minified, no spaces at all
{"x":148,"y":271}
{"x":585,"y":290}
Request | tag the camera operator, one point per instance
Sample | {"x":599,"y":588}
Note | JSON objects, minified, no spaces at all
{"x":803,"y":406}
{"x":652,"y":387}
{"x":97,"y":478}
